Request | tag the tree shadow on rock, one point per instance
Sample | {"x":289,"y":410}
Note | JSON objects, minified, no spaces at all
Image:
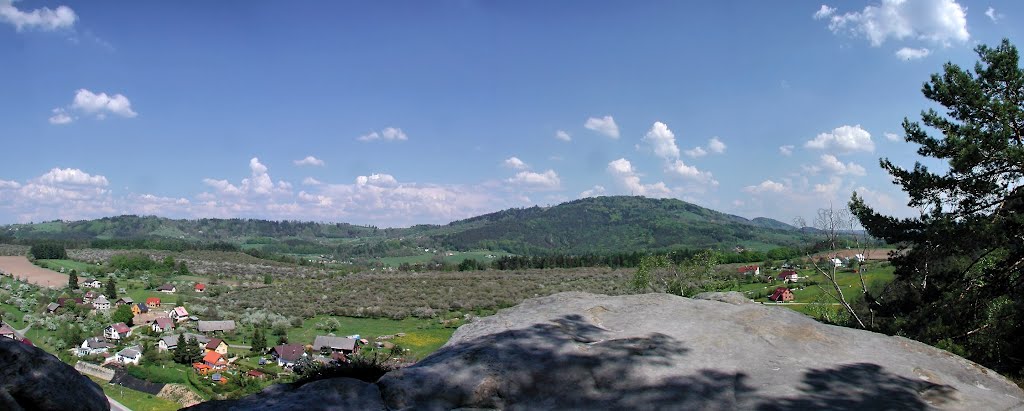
{"x":863,"y":386}
{"x":567,"y":363}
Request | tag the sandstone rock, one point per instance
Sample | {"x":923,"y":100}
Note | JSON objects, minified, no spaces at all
{"x":657,"y":351}
{"x":731,"y":297}
{"x":32,"y":379}
{"x":329,"y":394}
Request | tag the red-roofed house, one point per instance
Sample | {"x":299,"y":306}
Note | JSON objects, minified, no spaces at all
{"x":200,"y":287}
{"x":117,"y":331}
{"x":179,"y":314}
{"x":153,"y":302}
{"x":214,"y":360}
{"x":218,"y":346}
{"x":781,"y":295}
{"x":788,"y":276}
{"x":749,"y":270}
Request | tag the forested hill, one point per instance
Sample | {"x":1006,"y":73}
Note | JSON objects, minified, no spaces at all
{"x":599,"y":225}
{"x":616,"y":224}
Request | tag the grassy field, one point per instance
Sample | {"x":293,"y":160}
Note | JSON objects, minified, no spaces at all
{"x":12,"y":316}
{"x":137,"y":401}
{"x":68,"y":265}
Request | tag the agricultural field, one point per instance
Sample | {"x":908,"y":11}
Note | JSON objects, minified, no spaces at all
{"x":20,"y":266}
{"x":82,"y":268}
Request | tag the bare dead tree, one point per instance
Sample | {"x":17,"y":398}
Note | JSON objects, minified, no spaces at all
{"x":831,"y":223}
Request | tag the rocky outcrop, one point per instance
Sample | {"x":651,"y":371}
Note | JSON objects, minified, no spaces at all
{"x":32,"y":379}
{"x":657,"y":351}
{"x":334,"y":393}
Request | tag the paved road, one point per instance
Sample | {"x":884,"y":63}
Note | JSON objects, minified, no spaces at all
{"x":116,"y":406}
{"x":24,"y":330}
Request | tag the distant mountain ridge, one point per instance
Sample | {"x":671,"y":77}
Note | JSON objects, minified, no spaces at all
{"x":591,"y":225}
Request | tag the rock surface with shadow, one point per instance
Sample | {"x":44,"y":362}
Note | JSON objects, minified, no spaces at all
{"x":32,"y":379}
{"x":657,"y":351}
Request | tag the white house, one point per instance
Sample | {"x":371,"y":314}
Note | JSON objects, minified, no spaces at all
{"x":130,"y":355}
{"x":179,"y":314}
{"x":93,"y":346}
{"x":117,"y":331}
{"x":859,"y":257}
{"x":101,"y":303}
{"x":162,"y":324}
{"x":167,"y":288}
{"x":91,"y":283}
{"x":837,"y":262}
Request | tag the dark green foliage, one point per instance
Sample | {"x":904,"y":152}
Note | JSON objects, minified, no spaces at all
{"x":259,"y":342}
{"x":959,"y":281}
{"x":110,"y":288}
{"x":73,"y":280}
{"x":180,"y":354}
{"x":123,"y":314}
{"x":132,"y":262}
{"x":48,"y":251}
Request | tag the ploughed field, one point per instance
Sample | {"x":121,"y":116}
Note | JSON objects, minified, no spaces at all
{"x":19,"y":266}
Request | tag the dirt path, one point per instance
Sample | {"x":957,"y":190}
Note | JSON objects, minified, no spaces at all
{"x":22,"y":268}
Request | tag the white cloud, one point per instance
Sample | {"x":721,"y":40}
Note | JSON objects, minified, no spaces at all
{"x":388,"y":134}
{"x":515,"y":163}
{"x":843,"y":139}
{"x":309,"y":161}
{"x":623,"y":171}
{"x":376,"y":180}
{"x":695,"y":152}
{"x":907,"y":53}
{"x":72,"y":176}
{"x":4,"y":184}
{"x":829,"y":189}
{"x":547,"y":180}
{"x":258,"y":184}
{"x":824,"y":12}
{"x":991,"y":13}
{"x":101,"y":104}
{"x":604,"y":125}
{"x":562,"y":135}
{"x":892,"y":136}
{"x":310,"y":181}
{"x":831,"y":163}
{"x":766,"y":186}
{"x":595,"y":191}
{"x":937,"y":21}
{"x":44,"y":18}
{"x":680,"y":169}
{"x":60,"y":117}
{"x":662,"y":141}
{"x":716,"y":146}
{"x":786,"y":150}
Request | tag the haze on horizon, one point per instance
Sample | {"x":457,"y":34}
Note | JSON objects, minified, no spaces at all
{"x":406,"y":113}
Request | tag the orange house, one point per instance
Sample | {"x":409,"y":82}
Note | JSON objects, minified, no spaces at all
{"x":781,"y":295}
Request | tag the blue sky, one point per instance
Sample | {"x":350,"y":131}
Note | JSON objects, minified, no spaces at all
{"x":397,"y":113}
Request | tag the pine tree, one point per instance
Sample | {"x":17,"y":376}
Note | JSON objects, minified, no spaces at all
{"x":960,"y":271}
{"x":111,"y":290}
{"x":180,"y":354}
{"x":73,"y":280}
{"x":194,"y":353}
{"x":259,"y":342}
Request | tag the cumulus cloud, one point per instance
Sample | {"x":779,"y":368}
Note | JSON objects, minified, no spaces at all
{"x":824,"y":12}
{"x":101,"y":104}
{"x":844,"y":139}
{"x":259,"y":183}
{"x":310,"y":181}
{"x":529,"y":180}
{"x":892,"y":136}
{"x":309,"y":161}
{"x":515,"y":163}
{"x":662,"y":141}
{"x":562,"y":135}
{"x":680,"y":169}
{"x":716,"y":146}
{"x":831,"y":163}
{"x":60,"y":117}
{"x":696,"y":152}
{"x":604,"y":125}
{"x":786,"y":150}
{"x":829,"y":189}
{"x":5,"y":184}
{"x":907,"y":53}
{"x":595,"y":191}
{"x":376,"y":180}
{"x":937,"y":21}
{"x":622,"y":170}
{"x":72,"y":176}
{"x":43,"y":18}
{"x":388,"y":134}
{"x":766,"y":186}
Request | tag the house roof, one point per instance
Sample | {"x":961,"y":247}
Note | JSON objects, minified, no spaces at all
{"x":789,"y":272}
{"x":130,"y":352}
{"x":97,"y":342}
{"x":90,"y":294}
{"x":200,"y":286}
{"x":172,"y":340}
{"x":334,"y":343}
{"x":212,"y":357}
{"x":52,"y":306}
{"x":209,"y":326}
{"x":254,"y":373}
{"x":152,"y":301}
{"x":7,"y":330}
{"x":180,"y":312}
{"x":126,"y":300}
{"x":102,"y":299}
{"x":120,"y":328}
{"x":747,"y":268}
{"x":143,"y":307}
{"x":166,"y":287}
{"x":289,"y":352}
{"x":164,"y":322}
{"x":778,"y":293}
{"x":65,"y":300}
{"x":214,"y":343}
